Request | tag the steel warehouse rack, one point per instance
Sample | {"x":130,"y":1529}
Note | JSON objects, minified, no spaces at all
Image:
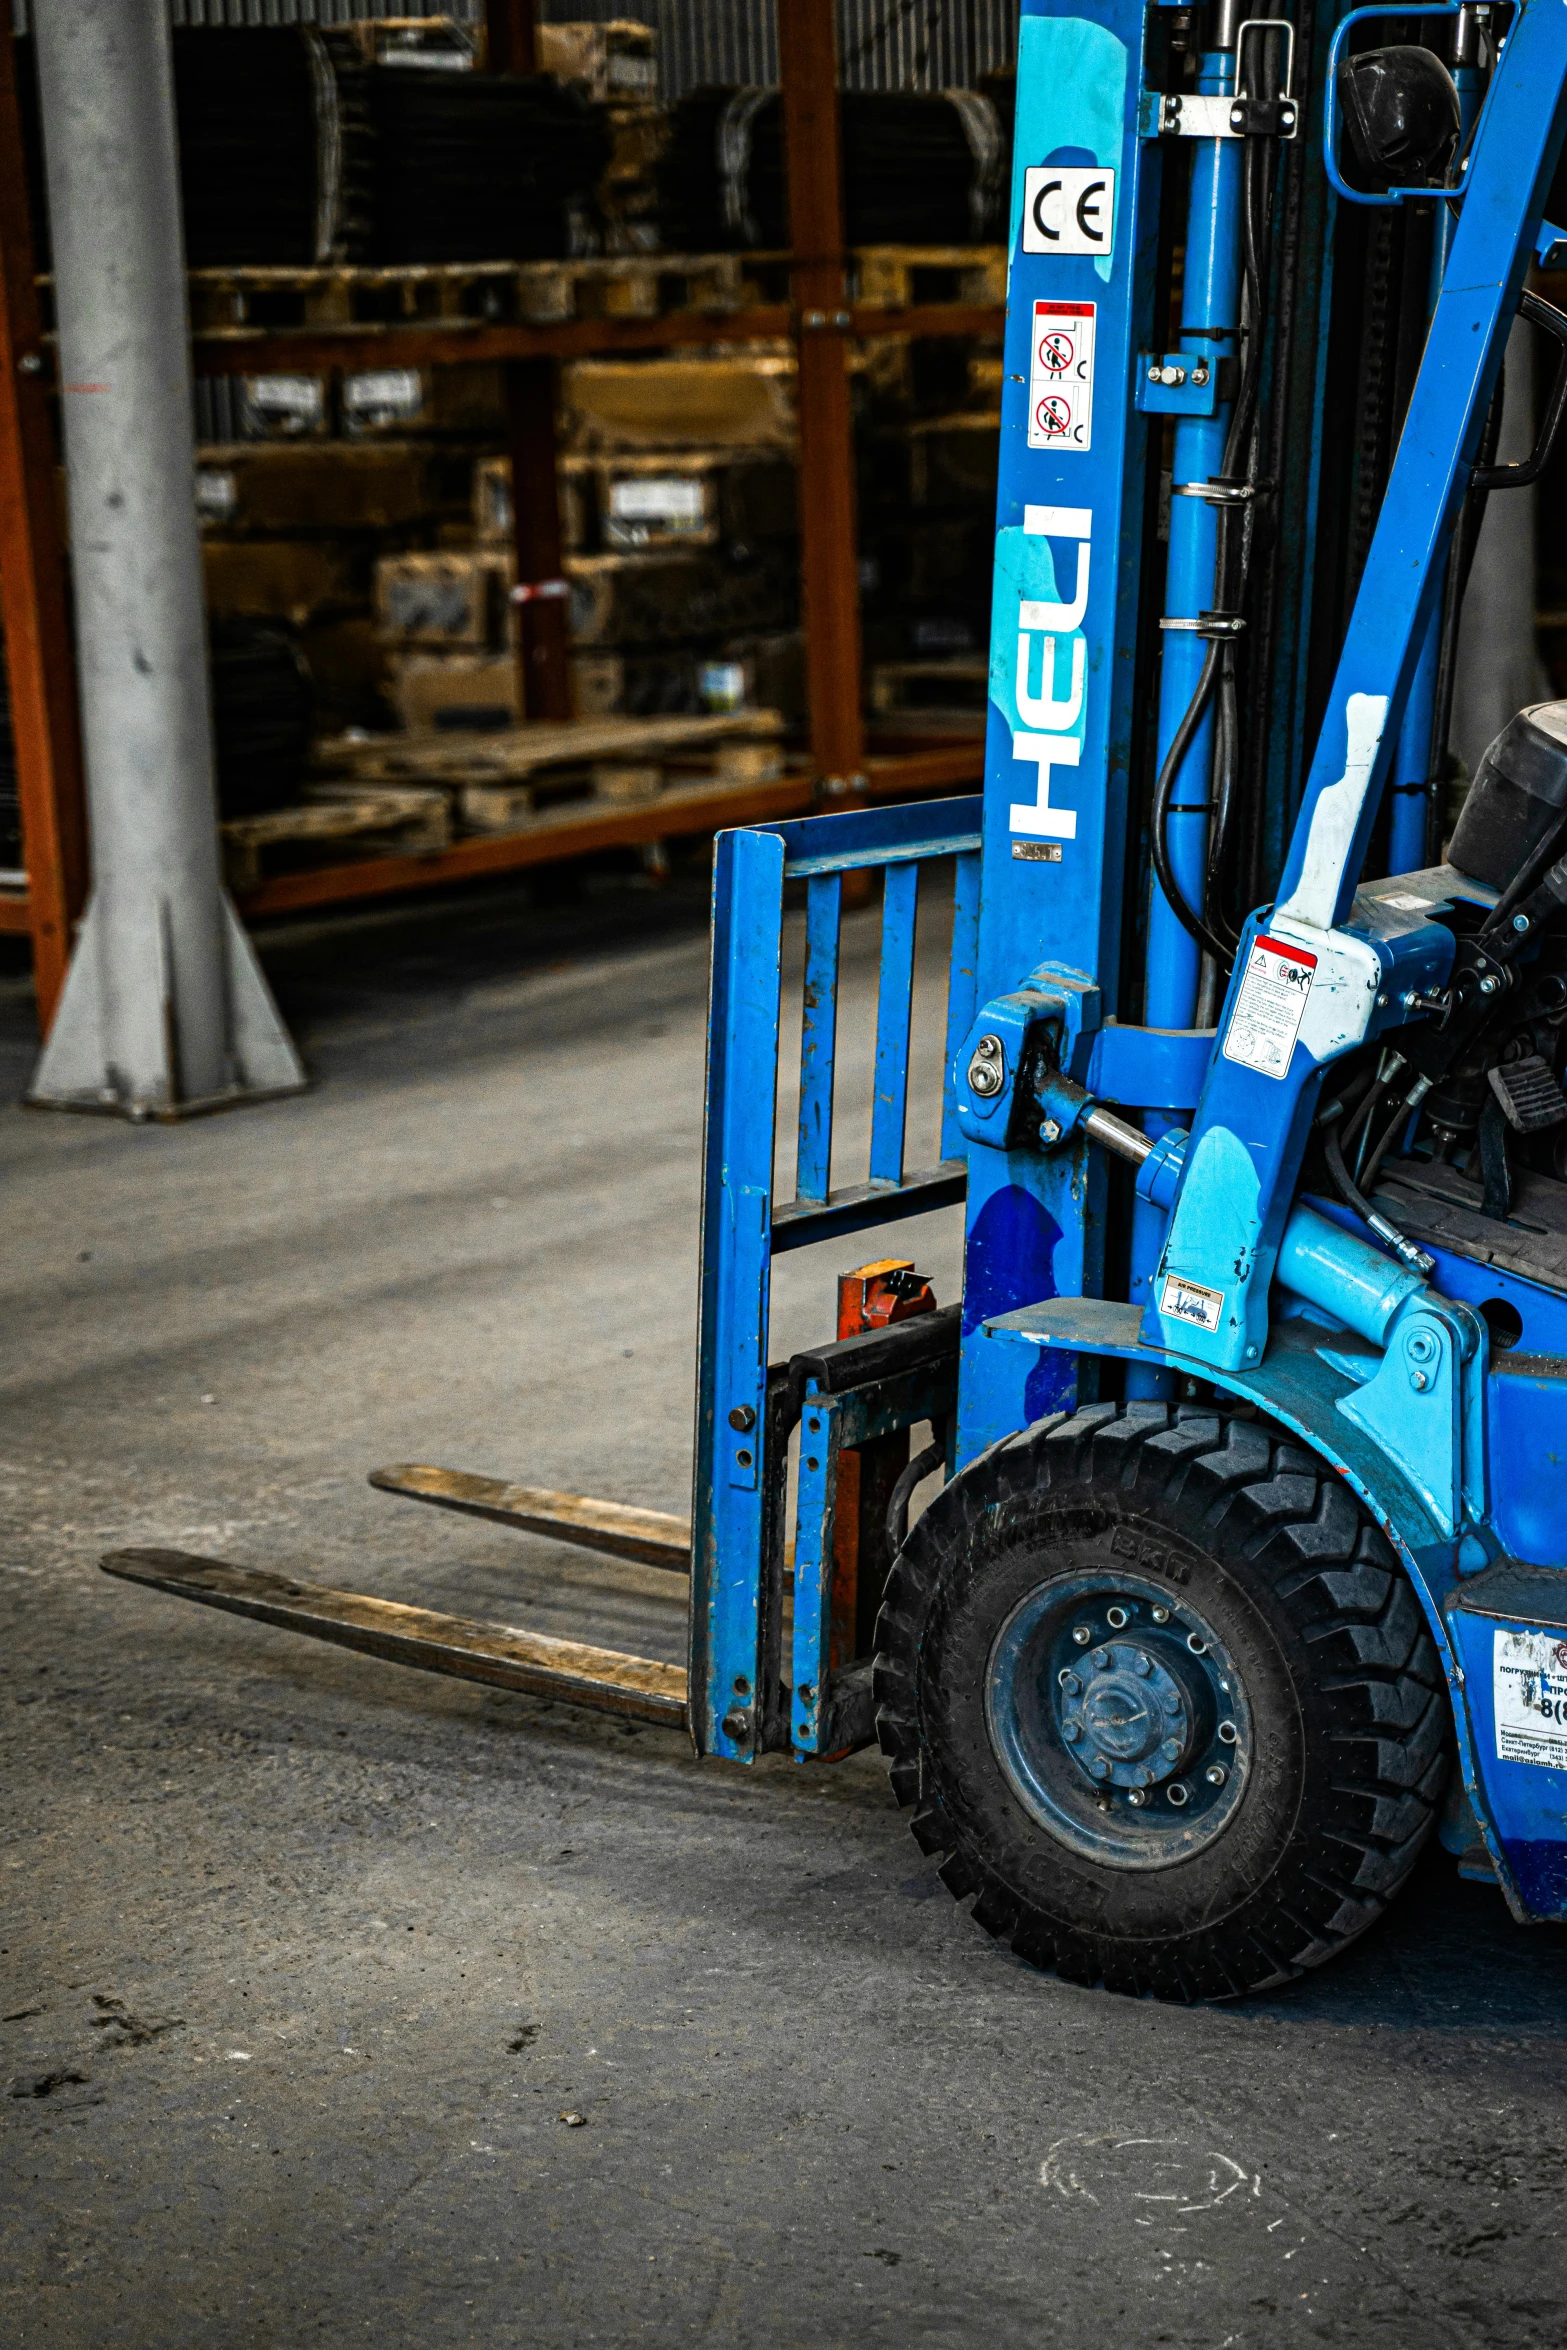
{"x":816,"y":311}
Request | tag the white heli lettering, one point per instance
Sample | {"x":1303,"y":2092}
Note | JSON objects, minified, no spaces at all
{"x":1048,"y":713}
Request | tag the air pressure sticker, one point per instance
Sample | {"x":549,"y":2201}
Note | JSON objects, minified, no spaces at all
{"x":1191,"y":1301}
{"x":1529,"y":1696}
{"x":1061,"y":376}
{"x":1270,"y":1007}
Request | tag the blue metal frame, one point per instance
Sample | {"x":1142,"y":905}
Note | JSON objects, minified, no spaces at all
{"x":744,"y":1226}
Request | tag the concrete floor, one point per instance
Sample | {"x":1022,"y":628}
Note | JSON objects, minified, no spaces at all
{"x":302,"y":1956}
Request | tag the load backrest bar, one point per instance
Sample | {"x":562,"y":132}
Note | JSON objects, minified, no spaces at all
{"x":734,"y":1611}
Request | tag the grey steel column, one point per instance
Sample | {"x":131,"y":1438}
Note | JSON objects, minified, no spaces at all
{"x":164,"y":1007}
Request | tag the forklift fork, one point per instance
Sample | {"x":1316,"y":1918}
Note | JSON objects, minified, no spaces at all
{"x":892,"y":1367}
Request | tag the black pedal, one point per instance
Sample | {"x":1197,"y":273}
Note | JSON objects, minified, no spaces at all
{"x":1530,"y":1096}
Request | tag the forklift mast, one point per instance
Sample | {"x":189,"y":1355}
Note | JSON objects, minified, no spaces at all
{"x":1185,"y":186}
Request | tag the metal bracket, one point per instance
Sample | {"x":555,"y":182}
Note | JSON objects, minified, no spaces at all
{"x":1175,"y":383}
{"x":1415,"y":1407}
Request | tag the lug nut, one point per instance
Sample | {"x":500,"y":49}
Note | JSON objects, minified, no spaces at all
{"x":1216,"y":1774}
{"x":1161,"y":1615}
{"x":1136,"y":1795}
{"x":1069,"y":1681}
{"x":1228,"y":1733}
{"x":1082,"y":1635}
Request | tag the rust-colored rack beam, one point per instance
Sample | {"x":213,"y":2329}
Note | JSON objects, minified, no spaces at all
{"x":578,"y":834}
{"x":254,"y":350}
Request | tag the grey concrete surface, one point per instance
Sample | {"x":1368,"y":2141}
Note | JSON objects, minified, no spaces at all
{"x":302,"y":1957}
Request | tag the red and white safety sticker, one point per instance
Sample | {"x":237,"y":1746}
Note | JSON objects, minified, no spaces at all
{"x":1061,"y":376}
{"x":1270,"y":1007}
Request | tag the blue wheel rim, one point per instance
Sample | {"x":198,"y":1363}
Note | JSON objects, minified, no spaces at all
{"x":1120,"y":1719}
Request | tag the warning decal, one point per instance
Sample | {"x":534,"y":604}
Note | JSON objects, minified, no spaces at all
{"x":1061,"y":376}
{"x":1191,"y":1301}
{"x":1270,"y":1007}
{"x":1529,"y":1696}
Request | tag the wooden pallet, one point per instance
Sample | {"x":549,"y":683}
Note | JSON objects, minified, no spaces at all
{"x":902,"y":277}
{"x":514,"y":754}
{"x":615,"y":786}
{"x":532,"y":293}
{"x":377,"y":818}
{"x":953,"y":684}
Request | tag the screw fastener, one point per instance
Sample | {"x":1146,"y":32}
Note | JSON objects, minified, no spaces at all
{"x":1216,"y":1774}
{"x":1082,"y":1635}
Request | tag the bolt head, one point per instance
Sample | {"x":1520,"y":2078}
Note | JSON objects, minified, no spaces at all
{"x":1520,"y":921}
{"x":1419,"y":1382}
{"x":1153,"y":375}
{"x":1049,"y":1130}
{"x":1071,"y":1732}
{"x":1171,"y":1748}
{"x":1216,"y":1774}
{"x":1082,"y":1635}
{"x":1070,"y":1683}
{"x":1490,"y":984}
{"x":1099,"y":1767}
{"x":1135,"y":1795}
{"x":1101,"y":1660}
{"x":1141,"y":1666}
{"x":1160,"y":1615}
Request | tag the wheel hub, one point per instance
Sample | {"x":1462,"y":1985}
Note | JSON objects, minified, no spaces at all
{"x":1119,"y":1718}
{"x":1130,"y":1721}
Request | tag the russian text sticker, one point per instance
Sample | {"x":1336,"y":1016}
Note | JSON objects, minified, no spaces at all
{"x":1268,"y":1011}
{"x":1068,"y":208}
{"x":1529,"y":1697}
{"x":1061,"y":376}
{"x":1190,"y":1301}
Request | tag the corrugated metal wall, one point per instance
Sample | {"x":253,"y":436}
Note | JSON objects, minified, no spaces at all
{"x":883,"y":44}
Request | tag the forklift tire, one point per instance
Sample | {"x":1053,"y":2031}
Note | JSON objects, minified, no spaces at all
{"x":1163,"y":1700}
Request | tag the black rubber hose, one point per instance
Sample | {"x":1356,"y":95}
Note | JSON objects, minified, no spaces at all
{"x":1164,"y":792}
{"x":1353,"y":1197}
{"x":1460,"y":561}
{"x":1227,"y":590}
{"x":923,"y":1465}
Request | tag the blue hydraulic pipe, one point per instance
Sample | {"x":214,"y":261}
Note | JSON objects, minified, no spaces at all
{"x":1210,"y":320}
{"x":1417,"y":760}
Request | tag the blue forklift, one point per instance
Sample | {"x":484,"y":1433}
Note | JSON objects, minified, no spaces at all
{"x":1247,"y":1573}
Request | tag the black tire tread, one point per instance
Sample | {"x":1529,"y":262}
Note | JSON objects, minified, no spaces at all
{"x":1297,"y":1525}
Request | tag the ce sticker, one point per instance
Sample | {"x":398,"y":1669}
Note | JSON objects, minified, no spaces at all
{"x":1068,"y":208}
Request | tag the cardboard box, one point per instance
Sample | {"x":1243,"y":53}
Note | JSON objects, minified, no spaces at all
{"x":598,"y":684}
{"x":313,"y":485}
{"x":744,"y":402}
{"x":613,"y":61}
{"x":446,"y":599}
{"x":284,"y":407}
{"x":395,"y":400}
{"x":673,"y":598}
{"x":433,"y":692}
{"x":283,"y":579}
